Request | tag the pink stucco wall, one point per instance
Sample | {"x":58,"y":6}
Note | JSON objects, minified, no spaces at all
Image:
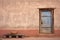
{"x":24,"y":15}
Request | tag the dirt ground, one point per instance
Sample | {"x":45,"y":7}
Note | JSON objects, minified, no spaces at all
{"x":32,"y":38}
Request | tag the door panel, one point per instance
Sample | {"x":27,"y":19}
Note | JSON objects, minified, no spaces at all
{"x":46,"y":13}
{"x":45,"y":30}
{"x":46,"y":22}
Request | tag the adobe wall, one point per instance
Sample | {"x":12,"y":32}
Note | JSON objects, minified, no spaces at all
{"x":24,"y":15}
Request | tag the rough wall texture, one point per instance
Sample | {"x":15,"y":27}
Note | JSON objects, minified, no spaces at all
{"x":24,"y":14}
{"x":17,"y":14}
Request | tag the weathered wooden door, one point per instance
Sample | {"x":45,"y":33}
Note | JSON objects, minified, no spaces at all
{"x":46,"y":21}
